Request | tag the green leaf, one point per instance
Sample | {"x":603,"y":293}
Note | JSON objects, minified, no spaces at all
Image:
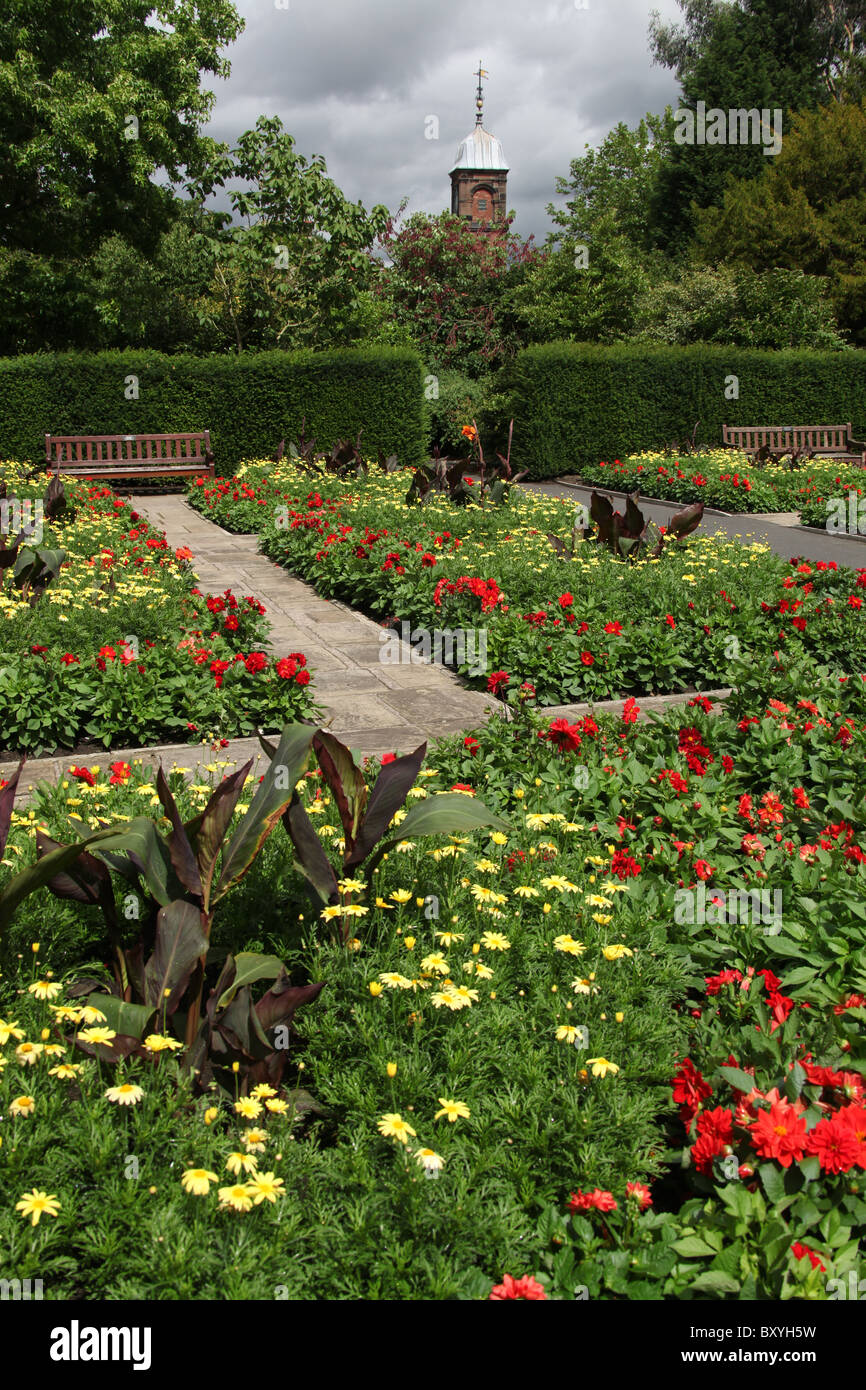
{"x":714,"y":1281}
{"x":692,"y":1246}
{"x":740,"y":1080}
{"x":450,"y":813}
{"x":273,"y":796}
{"x":800,"y":976}
{"x":142,"y":839}
{"x":134,"y":1020}
{"x":773,"y":1182}
{"x":250,"y":966}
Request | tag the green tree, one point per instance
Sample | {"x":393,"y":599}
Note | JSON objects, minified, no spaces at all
{"x":96,"y":97}
{"x":616,"y":180}
{"x":290,"y":272}
{"x":743,"y":307}
{"x":840,"y":40}
{"x":581,"y":292}
{"x":754,"y":54}
{"x":807,"y":212}
{"x":447,"y":284}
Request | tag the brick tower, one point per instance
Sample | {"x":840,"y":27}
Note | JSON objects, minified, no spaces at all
{"x":478,"y":178}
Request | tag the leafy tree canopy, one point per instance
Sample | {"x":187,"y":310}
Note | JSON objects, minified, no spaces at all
{"x":807,"y":212}
{"x":96,"y":97}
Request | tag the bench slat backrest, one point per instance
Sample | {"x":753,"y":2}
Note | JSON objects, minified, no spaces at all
{"x":779,"y":438}
{"x":134,"y":450}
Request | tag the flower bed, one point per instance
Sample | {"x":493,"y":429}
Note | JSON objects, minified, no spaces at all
{"x":532,"y":1018}
{"x":724,"y":478}
{"x":586,"y":628}
{"x":121,"y":647}
{"x":838,"y":508}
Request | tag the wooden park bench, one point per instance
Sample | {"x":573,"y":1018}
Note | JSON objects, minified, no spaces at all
{"x":827,"y":441}
{"x":129,"y":455}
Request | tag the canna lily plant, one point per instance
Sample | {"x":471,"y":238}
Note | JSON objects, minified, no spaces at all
{"x":32,"y":565}
{"x":182,"y":876}
{"x":626,"y":534}
{"x":368,"y":819}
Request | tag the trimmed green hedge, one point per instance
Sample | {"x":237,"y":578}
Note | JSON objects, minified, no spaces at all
{"x":248,"y":402}
{"x":576,"y":403}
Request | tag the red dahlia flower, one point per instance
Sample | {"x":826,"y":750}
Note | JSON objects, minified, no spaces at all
{"x":640,"y":1192}
{"x":689,"y":1089}
{"x":835,"y":1144}
{"x":598,"y":1200}
{"x":563,"y":735}
{"x":801,"y":1251}
{"x":780,"y":1133}
{"x":526,"y":1287}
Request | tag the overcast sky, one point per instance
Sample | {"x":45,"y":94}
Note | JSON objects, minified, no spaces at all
{"x":356,"y":80}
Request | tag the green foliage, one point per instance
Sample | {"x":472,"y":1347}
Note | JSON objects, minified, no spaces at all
{"x":752,"y":54}
{"x":457,"y":400}
{"x":614,"y":185}
{"x":807,"y":212}
{"x":577,"y":403}
{"x":73,"y":169}
{"x":248,"y":402}
{"x":582,"y":291}
{"x":289,"y":273}
{"x":736,"y":305}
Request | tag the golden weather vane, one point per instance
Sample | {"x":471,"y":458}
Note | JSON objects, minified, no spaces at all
{"x":479,"y":100}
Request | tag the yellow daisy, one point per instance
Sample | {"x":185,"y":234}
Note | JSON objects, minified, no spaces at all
{"x":393,"y":1126}
{"x":127,"y":1094}
{"x":237,"y":1197}
{"x":45,"y":989}
{"x":601,"y":1066}
{"x":36,"y":1204}
{"x":238,"y":1162}
{"x":197,"y":1181}
{"x":265,"y":1187}
{"x":452,"y":1110}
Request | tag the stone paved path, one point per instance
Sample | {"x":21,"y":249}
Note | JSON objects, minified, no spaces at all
{"x":376,"y":707}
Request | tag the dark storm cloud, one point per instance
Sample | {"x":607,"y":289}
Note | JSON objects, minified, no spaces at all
{"x":355,"y":81}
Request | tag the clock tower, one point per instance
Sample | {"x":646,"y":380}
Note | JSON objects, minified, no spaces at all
{"x":478,"y":178}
